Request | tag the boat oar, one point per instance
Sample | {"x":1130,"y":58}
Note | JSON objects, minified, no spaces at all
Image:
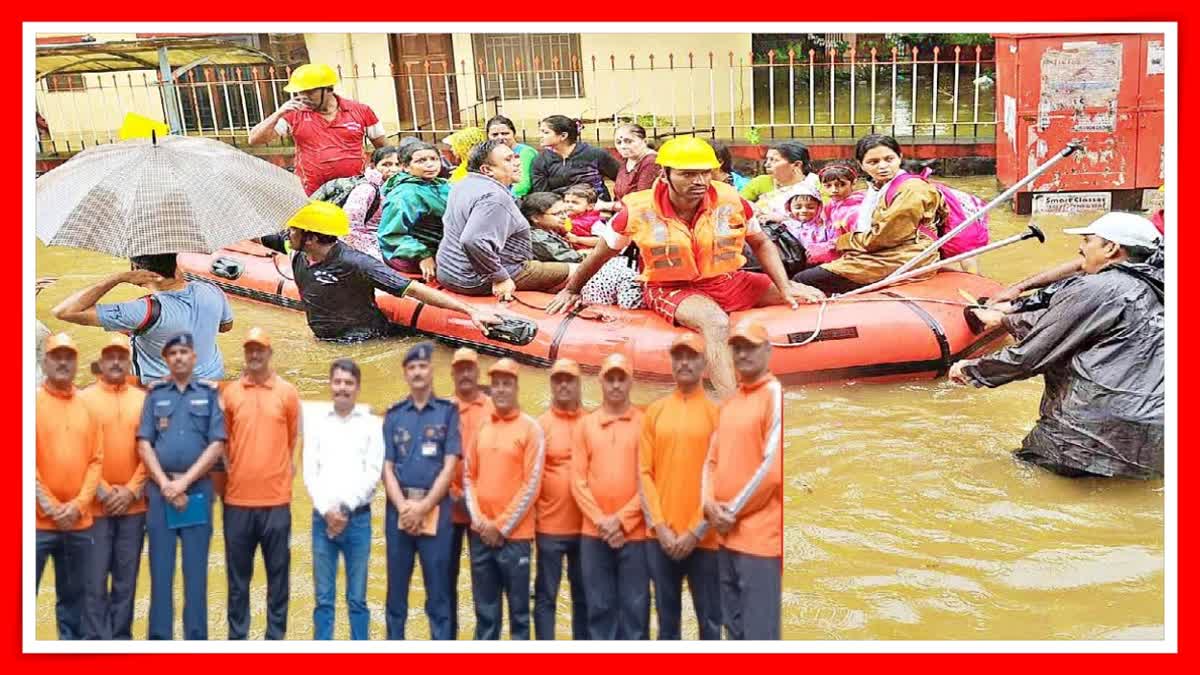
{"x":1032,"y":233}
{"x":1003,"y":196}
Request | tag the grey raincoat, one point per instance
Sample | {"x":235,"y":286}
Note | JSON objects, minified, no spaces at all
{"x":1099,"y":342}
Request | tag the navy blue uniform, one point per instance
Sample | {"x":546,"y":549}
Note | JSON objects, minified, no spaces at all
{"x":180,"y":424}
{"x":417,"y":442}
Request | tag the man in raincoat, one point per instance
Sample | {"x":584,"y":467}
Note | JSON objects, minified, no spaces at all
{"x":1098,"y":340}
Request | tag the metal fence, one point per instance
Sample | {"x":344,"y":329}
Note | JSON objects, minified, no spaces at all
{"x":942,"y":95}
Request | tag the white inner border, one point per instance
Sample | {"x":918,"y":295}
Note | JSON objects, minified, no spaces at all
{"x":1170,"y":502}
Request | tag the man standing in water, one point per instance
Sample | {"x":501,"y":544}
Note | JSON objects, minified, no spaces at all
{"x":744,"y":491}
{"x":474,"y":407}
{"x":1098,"y":340}
{"x":422,"y":435}
{"x":262,"y":413}
{"x":337,"y":283}
{"x":502,"y":478}
{"x":676,"y":432}
{"x":690,"y":233}
{"x":182,"y":433}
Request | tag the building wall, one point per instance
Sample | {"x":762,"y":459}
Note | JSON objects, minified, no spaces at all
{"x":660,"y":92}
{"x":372,"y":83}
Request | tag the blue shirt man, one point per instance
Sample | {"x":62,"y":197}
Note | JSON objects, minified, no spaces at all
{"x":175,"y":305}
{"x":422,"y":447}
{"x":181,"y":435}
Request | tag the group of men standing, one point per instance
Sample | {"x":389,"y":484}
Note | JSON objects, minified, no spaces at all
{"x":625,"y":498}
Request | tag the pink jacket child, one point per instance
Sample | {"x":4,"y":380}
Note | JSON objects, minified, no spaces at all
{"x":819,"y":238}
{"x":841,"y":211}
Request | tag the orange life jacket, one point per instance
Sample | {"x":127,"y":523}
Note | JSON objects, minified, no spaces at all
{"x":672,"y":252}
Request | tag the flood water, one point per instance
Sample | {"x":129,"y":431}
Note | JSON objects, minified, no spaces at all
{"x":905,"y":516}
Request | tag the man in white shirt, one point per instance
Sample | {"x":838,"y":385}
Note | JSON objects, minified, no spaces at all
{"x":343,"y":460}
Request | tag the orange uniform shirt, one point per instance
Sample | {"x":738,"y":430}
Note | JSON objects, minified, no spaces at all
{"x":470,"y":417}
{"x":744,"y":471}
{"x":604,"y":471}
{"x":676,"y":431}
{"x":70,"y":455}
{"x":557,"y":512}
{"x":118,"y":410}
{"x":263,"y":422}
{"x":504,"y":473}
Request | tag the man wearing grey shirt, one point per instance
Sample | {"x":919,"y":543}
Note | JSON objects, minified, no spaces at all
{"x":485,"y":246}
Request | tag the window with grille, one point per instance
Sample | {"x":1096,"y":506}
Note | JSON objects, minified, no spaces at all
{"x":67,"y":82}
{"x":228,"y":98}
{"x":524,"y":65}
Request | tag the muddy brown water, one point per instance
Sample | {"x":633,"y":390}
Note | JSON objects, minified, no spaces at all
{"x":905,"y":516}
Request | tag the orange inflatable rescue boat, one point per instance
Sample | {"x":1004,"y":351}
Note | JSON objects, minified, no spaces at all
{"x":908,"y":331}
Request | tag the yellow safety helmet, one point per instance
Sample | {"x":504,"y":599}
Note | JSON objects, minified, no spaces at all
{"x":322,"y":218}
{"x":311,"y":76}
{"x":687,"y":153}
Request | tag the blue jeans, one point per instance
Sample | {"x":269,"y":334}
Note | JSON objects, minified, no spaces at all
{"x":72,"y":553}
{"x":354,"y":543}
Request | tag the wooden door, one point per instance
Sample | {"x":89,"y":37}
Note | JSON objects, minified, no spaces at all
{"x":425,"y":83}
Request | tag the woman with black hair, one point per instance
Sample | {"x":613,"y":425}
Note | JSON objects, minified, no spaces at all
{"x":500,"y":128}
{"x":787,"y":164}
{"x":894,"y":224}
{"x":565,"y":160}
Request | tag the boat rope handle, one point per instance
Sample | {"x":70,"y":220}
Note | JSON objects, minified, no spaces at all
{"x":275,"y":260}
{"x":825,"y":303}
{"x":595,"y":316}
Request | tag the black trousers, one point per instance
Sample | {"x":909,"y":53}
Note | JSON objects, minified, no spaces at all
{"x":72,"y":552}
{"x":703,"y":574}
{"x":114,"y":569}
{"x":457,"y":535}
{"x":246,"y":529}
{"x":497,"y":575}
{"x":617,"y":587}
{"x":551,"y":549}
{"x":828,"y":282}
{"x":751,"y":595}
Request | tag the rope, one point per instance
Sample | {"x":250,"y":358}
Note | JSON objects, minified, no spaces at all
{"x":595,"y":316}
{"x":825,"y":303}
{"x":275,"y":260}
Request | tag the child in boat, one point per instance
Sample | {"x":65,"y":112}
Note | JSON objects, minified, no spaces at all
{"x":839,"y":180}
{"x":616,"y":283}
{"x":804,"y":207}
{"x":581,"y":210}
{"x":362,"y":198}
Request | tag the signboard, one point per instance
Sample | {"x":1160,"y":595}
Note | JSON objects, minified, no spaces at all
{"x":1072,"y":202}
{"x":1152,"y":200}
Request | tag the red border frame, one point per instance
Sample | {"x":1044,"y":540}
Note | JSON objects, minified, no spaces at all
{"x":716,"y":12}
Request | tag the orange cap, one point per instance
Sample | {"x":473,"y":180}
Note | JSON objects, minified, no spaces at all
{"x":565,"y":366}
{"x":616,"y":362}
{"x":749,"y":330}
{"x":117,"y":341}
{"x":60,"y":341}
{"x":464,"y":355}
{"x":688,"y":339}
{"x":505,"y":366}
{"x":258,"y":336}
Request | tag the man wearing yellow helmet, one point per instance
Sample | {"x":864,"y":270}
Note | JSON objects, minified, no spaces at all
{"x":690,"y":233}
{"x":328,"y":129}
{"x":337,"y":283}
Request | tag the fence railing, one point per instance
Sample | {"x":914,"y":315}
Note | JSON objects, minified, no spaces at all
{"x":942,"y":95}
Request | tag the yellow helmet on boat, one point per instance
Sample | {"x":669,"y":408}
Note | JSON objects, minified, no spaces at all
{"x":322,"y":218}
{"x":687,"y":153}
{"x":311,"y":76}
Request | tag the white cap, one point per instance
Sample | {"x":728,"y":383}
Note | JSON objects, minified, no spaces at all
{"x":1124,"y":229}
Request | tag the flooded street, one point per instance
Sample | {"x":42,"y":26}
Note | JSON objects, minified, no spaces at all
{"x":905,"y":516}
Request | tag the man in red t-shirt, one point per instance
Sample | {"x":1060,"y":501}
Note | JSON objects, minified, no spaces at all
{"x":328,"y":129}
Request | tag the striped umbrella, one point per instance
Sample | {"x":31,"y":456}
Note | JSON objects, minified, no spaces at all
{"x":167,"y":195}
